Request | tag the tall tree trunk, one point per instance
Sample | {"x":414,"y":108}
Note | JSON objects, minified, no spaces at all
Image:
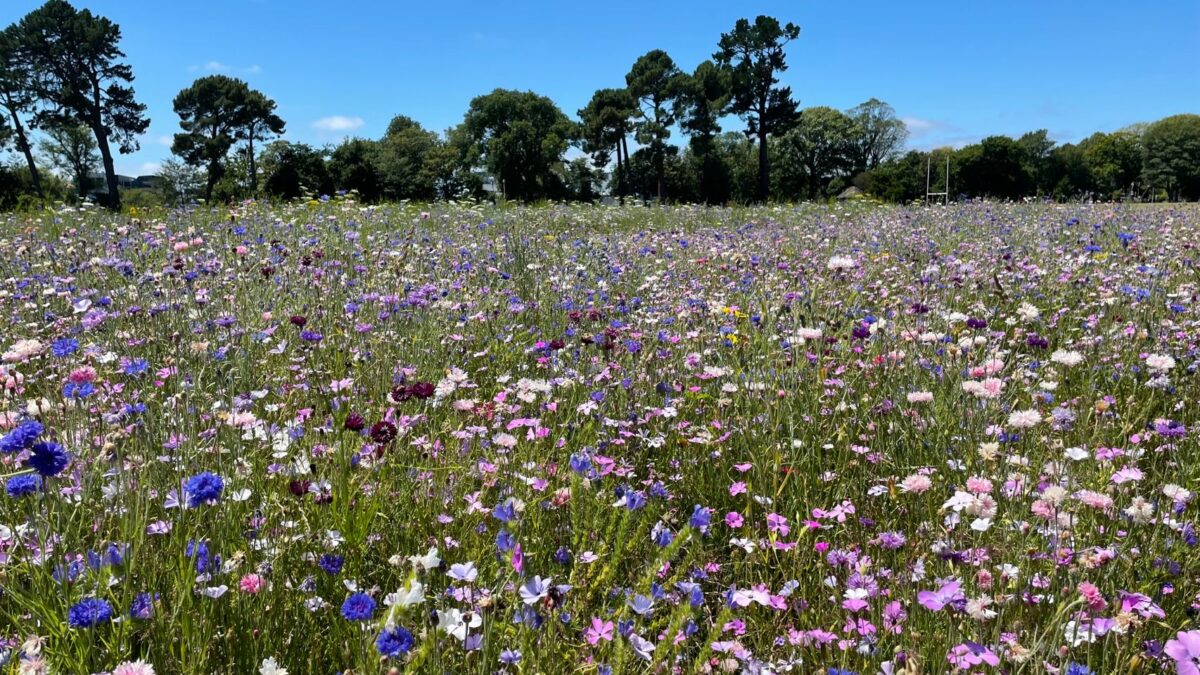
{"x":110,"y":170}
{"x":35,"y":178}
{"x":763,"y":167}
{"x":253,"y":170}
{"x":214,"y":174}
{"x":624,"y":147}
{"x":620,"y":176}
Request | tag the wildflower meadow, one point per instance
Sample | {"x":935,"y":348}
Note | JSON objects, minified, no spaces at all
{"x":326,"y":438}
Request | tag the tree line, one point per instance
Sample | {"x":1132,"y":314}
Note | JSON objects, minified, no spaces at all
{"x":67,"y":101}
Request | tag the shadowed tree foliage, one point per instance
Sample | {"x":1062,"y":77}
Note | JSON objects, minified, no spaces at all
{"x":755,"y":52}
{"x":703,"y":100}
{"x":879,"y":134}
{"x":17,"y":99}
{"x":352,"y":166}
{"x":407,"y":160}
{"x":72,"y":148}
{"x":294,"y":170}
{"x":520,"y":137}
{"x":1171,"y":148}
{"x":261,"y":124}
{"x":80,"y":76}
{"x":605,"y":126}
{"x":656,"y":83}
{"x":819,"y":148}
{"x":994,"y":167}
{"x":216,"y":112}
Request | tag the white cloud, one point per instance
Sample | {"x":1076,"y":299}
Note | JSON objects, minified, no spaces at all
{"x":338,"y":123}
{"x":219,"y":67}
{"x":149,"y":168}
{"x":917,"y":126}
{"x":165,"y":140}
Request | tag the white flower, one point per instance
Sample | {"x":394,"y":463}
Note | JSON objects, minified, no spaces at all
{"x":1140,"y":511}
{"x":1024,"y":419}
{"x":23,"y":350}
{"x":456,"y":623}
{"x":1160,"y":362}
{"x":271,"y":667}
{"x":1028,"y":312}
{"x":1076,"y":454}
{"x":840,"y":262}
{"x":1067,"y":358}
{"x":413,"y":595}
{"x":1176,"y":493}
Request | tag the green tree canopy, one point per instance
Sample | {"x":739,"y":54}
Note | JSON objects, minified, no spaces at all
{"x":1171,"y":148}
{"x":755,"y":52}
{"x":81,"y":76}
{"x":819,"y":148}
{"x":994,"y":167}
{"x":71,"y":148}
{"x":216,"y":112}
{"x":605,"y":124}
{"x":520,"y":137}
{"x":879,"y":134}
{"x":656,"y":83}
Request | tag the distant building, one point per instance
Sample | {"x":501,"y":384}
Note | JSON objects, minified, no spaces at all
{"x":100,"y":185}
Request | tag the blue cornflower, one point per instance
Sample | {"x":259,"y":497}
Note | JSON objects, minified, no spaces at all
{"x":311,"y":336}
{"x":394,"y":641}
{"x":22,"y":437}
{"x":510,"y":656}
{"x":136,"y":367}
{"x":700,"y":517}
{"x":64,"y":347}
{"x":358,"y":607}
{"x":203,"y":487}
{"x":78,"y":390}
{"x":1078,"y":669}
{"x":24,"y":484}
{"x":332,"y":564}
{"x":89,"y":612}
{"x":48,"y":458}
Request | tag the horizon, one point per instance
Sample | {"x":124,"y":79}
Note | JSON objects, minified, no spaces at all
{"x":843,"y":57}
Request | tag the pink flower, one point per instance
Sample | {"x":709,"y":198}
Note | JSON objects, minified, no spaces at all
{"x":253,"y":584}
{"x":916,"y":483}
{"x":1092,"y":596}
{"x":1185,"y":649}
{"x":600,"y":630}
{"x":734,"y":519}
{"x":737,"y":488}
{"x":138,"y":667}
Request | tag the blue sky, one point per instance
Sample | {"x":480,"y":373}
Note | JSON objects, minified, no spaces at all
{"x":955,"y":71}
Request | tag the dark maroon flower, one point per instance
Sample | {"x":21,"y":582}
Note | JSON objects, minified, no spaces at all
{"x":401,"y":394}
{"x":977,"y":324}
{"x":422,"y":389}
{"x":299,"y":487}
{"x":298,"y":321}
{"x":557,"y":344}
{"x":383,"y":432}
{"x":354,"y":422}
{"x":862,"y":331}
{"x":266,"y":271}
